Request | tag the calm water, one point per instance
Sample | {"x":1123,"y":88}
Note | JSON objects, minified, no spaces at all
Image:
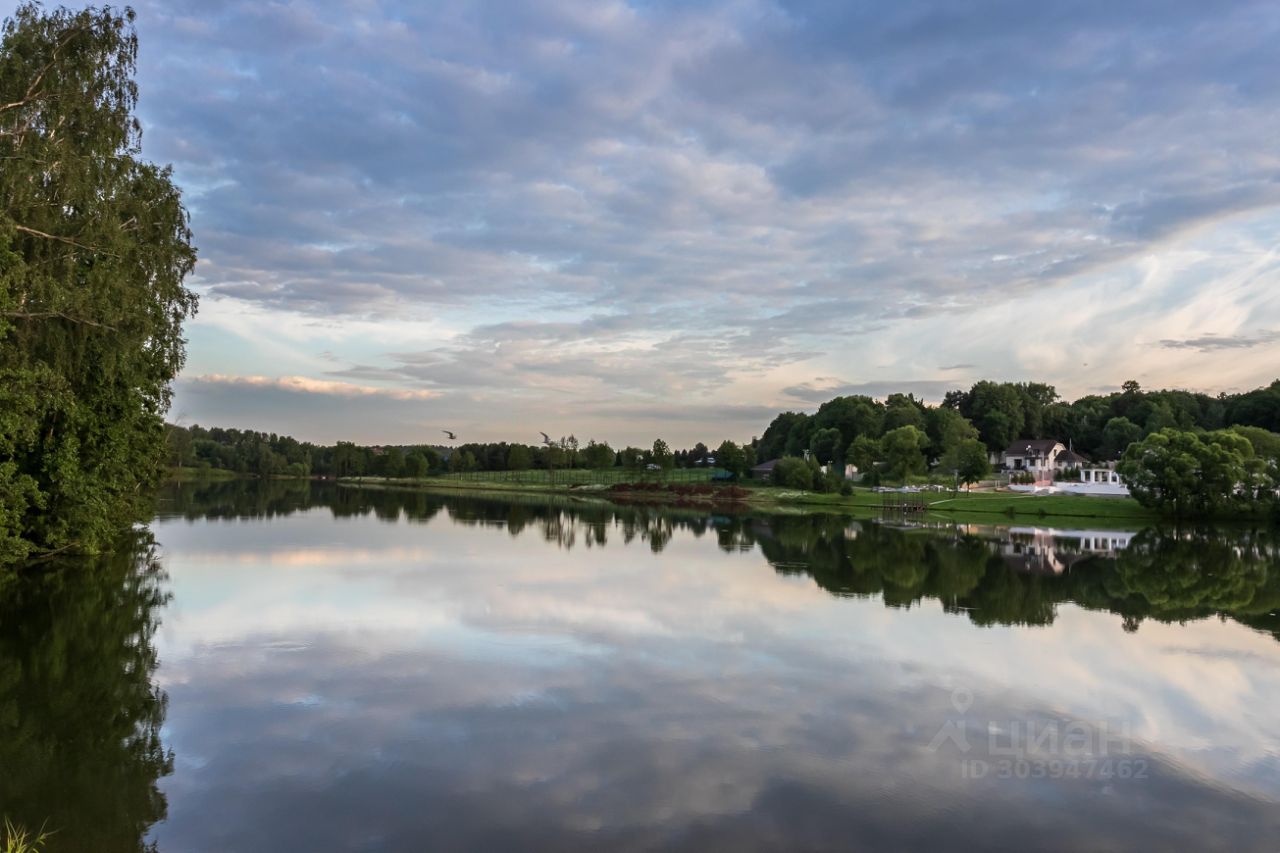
{"x":305,"y":668}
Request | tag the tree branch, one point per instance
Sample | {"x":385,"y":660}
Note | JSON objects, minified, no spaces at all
{"x":34,"y":233}
{"x":54,"y":315}
{"x":31,"y":90}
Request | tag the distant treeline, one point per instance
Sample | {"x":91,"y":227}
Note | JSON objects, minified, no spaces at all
{"x":899,"y":435}
{"x":270,"y":455}
{"x":999,"y":413}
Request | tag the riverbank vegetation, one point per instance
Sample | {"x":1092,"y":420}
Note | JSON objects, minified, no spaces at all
{"x":899,"y":440}
{"x":94,"y":249}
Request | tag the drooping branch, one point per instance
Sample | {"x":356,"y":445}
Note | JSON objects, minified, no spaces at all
{"x":35,"y":84}
{"x":34,"y":233}
{"x":54,"y":315}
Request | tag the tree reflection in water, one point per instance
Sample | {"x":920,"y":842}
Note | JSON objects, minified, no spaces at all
{"x":997,"y":576}
{"x":80,"y":715}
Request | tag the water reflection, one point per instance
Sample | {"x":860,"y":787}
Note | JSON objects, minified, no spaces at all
{"x":1011,"y":575}
{"x":377,"y":670}
{"x":80,"y":716}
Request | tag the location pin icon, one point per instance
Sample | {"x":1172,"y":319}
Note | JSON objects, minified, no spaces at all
{"x":962,"y":699}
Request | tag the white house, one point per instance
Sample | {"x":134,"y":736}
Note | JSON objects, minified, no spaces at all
{"x":1037,"y":456}
{"x":1069,"y":460}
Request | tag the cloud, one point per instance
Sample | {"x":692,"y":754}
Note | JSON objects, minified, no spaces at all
{"x":306,"y":385}
{"x":1211,"y":342}
{"x":820,"y":392}
{"x":646,"y":200}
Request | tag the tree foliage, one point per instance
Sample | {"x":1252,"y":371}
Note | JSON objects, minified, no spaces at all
{"x":94,"y":249}
{"x":903,"y":450}
{"x":793,"y":473}
{"x":968,"y":460}
{"x":1185,"y":474}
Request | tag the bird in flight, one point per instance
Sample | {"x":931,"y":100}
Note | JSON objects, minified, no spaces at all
{"x":546,"y":439}
{"x":452,"y":436}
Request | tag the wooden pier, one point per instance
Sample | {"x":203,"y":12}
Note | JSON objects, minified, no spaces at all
{"x":902,"y":503}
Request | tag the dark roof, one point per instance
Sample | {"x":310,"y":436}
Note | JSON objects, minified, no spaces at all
{"x":1033,"y":446}
{"x":766,"y":466}
{"x":1070,"y":457}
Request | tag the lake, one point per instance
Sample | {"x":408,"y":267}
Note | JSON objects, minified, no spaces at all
{"x":297,"y":666}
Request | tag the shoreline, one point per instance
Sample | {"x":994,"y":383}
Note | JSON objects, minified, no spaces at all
{"x":987,"y":506}
{"x":984,"y":507}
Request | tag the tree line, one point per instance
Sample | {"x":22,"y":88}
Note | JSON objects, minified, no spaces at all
{"x":1183,"y":452}
{"x":901,"y":436}
{"x":269,"y":455}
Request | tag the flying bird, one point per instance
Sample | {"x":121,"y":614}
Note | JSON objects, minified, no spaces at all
{"x":452,"y":436}
{"x":546,"y":439}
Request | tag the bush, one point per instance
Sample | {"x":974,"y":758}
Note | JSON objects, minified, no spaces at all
{"x":793,"y":473}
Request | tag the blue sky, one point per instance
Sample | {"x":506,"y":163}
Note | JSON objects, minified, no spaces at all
{"x":630,"y":220}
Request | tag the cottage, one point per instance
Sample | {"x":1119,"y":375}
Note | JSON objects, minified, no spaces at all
{"x":764,"y":471}
{"x":1069,"y":460}
{"x":1037,"y":456}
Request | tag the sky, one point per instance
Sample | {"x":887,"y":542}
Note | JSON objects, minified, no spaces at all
{"x":625,"y":221}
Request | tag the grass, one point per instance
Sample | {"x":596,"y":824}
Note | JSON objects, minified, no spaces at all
{"x":201,"y":474}
{"x":18,"y":840}
{"x":973,"y":506}
{"x":1008,"y":504}
{"x":580,"y":476}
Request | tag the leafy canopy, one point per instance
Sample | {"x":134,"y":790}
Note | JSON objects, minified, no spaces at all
{"x":94,"y":248}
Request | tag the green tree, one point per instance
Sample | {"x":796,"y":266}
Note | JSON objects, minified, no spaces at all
{"x":661,"y":455}
{"x":94,"y":249}
{"x":863,"y":453}
{"x":969,"y":461}
{"x":1266,"y":444}
{"x":391,"y":463}
{"x":1185,"y":475}
{"x":904,"y":451}
{"x":598,"y":455}
{"x":853,"y":416}
{"x":519,"y":458}
{"x":416,"y":464}
{"x":1118,"y":434}
{"x":903,"y":410}
{"x":793,"y":473}
{"x":947,"y":429}
{"x":731,"y":458}
{"x":827,"y":445}
{"x":462,"y":460}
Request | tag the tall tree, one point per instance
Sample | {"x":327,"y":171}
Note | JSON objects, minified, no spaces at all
{"x":904,"y":450}
{"x":94,"y":248}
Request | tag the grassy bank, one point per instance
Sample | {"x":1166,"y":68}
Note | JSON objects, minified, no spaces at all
{"x":204,"y":474}
{"x":982,"y":506}
{"x":1008,"y":504}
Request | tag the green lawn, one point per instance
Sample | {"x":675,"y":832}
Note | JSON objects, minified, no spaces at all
{"x":200,"y":474}
{"x":981,"y":506}
{"x":576,"y":476}
{"x":1009,"y":504}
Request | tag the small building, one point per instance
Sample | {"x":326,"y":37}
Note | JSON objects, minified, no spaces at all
{"x":1037,"y":456}
{"x":1069,"y":460}
{"x":850,"y":471}
{"x":764,"y":471}
{"x":1096,"y":481}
